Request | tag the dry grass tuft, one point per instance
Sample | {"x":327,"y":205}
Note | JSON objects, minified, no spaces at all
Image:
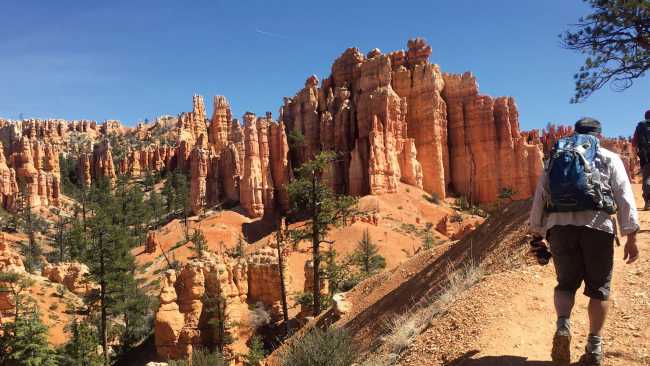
{"x":404,"y":328}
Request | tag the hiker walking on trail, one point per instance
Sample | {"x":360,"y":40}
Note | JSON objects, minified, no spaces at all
{"x":583,"y":186}
{"x":641,"y":141}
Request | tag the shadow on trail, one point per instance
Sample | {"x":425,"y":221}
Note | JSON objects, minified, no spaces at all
{"x":465,"y":360}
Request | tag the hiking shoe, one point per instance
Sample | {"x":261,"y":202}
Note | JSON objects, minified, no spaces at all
{"x":591,"y":359}
{"x":561,"y":353}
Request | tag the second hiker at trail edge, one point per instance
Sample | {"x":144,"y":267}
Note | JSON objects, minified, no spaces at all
{"x":641,"y":141}
{"x":581,"y":189}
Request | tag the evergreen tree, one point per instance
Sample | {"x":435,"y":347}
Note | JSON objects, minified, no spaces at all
{"x":366,"y":255}
{"x":616,"y":39}
{"x":59,"y":238}
{"x":107,"y":241}
{"x":149,"y":181}
{"x":281,"y":237}
{"x":176,"y":192}
{"x":130,"y":210}
{"x":15,"y":284}
{"x":81,"y":349}
{"x":199,"y":244}
{"x":24,"y":342}
{"x":256,"y":352}
{"x":30,"y":224}
{"x":183,"y":200}
{"x":136,"y":311}
{"x":70,"y":185}
{"x":338,"y":274}
{"x":156,"y":206}
{"x":169,"y":193}
{"x":239,"y":250}
{"x":214,"y":306}
{"x":310,"y":196}
{"x":76,"y":241}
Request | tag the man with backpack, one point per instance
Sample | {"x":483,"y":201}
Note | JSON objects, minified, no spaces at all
{"x":641,"y":141}
{"x":583,"y":185}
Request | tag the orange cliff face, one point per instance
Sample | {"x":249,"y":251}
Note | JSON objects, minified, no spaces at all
{"x":487,"y":152}
{"x":396,"y":117}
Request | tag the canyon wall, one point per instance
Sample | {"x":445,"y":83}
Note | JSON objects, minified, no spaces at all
{"x":390,"y":118}
{"x":395,"y":117}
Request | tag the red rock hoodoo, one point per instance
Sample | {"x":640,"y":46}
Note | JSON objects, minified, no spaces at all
{"x":396,"y":117}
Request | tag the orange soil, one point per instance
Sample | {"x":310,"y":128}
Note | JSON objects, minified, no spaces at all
{"x":508,"y":319}
{"x":402,"y":217}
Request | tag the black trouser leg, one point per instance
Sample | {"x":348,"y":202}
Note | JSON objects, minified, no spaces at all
{"x":645,"y":171}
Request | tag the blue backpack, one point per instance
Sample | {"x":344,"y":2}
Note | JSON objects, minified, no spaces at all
{"x":574,"y":181}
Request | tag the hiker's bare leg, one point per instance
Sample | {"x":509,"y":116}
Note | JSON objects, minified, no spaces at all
{"x":597,"y":310}
{"x":563,"y":303}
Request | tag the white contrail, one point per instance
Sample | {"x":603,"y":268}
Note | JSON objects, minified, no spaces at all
{"x":275,"y":35}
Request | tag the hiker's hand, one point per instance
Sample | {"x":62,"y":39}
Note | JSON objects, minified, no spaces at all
{"x":631,"y":250}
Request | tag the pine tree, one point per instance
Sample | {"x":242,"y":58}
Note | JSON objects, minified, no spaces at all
{"x":176,"y":192}
{"x":367,"y":257}
{"x":24,"y":342}
{"x":337,"y":273}
{"x":183,"y":200}
{"x":168,"y":193}
{"x":156,"y":206}
{"x":81,"y":349}
{"x":255,"y":353}
{"x":111,"y":264}
{"x":214,"y":306}
{"x":616,"y":39}
{"x":31,"y":250}
{"x":135,"y":308}
{"x":199,"y":244}
{"x":59,"y":239}
{"x":281,"y":237}
{"x":15,"y":284}
{"x":323,"y":208}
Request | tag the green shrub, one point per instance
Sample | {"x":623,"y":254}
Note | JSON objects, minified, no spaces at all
{"x":306,"y":299}
{"x":321,"y":348}
{"x":255,"y":353}
{"x":428,"y":242}
{"x":201,"y":357}
{"x":506,"y":193}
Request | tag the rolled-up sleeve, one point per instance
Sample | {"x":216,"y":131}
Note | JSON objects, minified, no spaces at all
{"x":536,"y":219}
{"x":628,"y":217}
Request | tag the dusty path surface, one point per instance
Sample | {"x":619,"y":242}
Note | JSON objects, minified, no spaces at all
{"x":508,"y":318}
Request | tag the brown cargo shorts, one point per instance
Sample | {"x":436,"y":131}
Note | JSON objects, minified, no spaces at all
{"x":581,"y":254}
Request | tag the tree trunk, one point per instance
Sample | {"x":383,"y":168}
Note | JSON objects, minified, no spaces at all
{"x":102,"y":300}
{"x":83,"y":207}
{"x":315,"y":242}
{"x":283,"y":290}
{"x":60,"y":239}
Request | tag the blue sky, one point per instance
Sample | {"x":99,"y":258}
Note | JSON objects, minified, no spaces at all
{"x":131,"y":60}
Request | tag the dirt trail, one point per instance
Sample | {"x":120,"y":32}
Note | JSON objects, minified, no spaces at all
{"x":518,"y":319}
